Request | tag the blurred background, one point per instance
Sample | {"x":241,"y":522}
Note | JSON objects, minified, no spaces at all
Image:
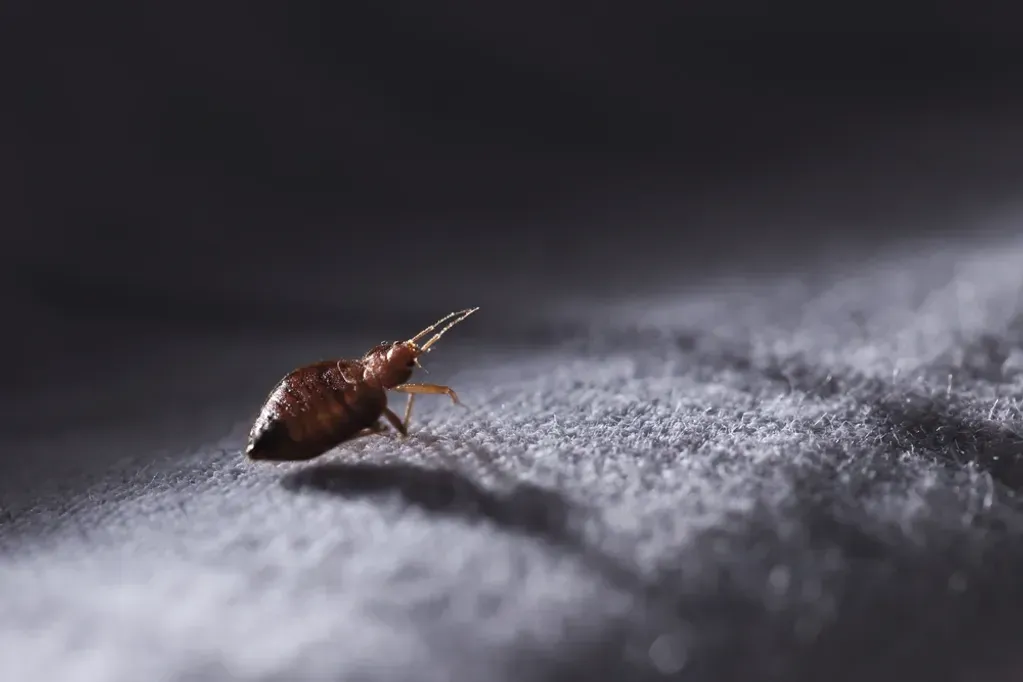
{"x":255,"y":170}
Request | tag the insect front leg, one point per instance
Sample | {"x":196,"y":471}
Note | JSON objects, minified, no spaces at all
{"x":432,"y":389}
{"x":408,"y":409}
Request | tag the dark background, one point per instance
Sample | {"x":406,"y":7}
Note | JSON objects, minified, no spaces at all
{"x":275,"y":168}
{"x":185,"y":183}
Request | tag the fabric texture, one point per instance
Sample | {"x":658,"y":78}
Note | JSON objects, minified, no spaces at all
{"x":799,"y":476}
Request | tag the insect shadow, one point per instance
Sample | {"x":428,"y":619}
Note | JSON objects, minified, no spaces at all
{"x":523,"y":508}
{"x":520,"y":507}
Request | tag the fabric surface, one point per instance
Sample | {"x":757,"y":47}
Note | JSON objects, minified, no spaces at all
{"x":801,"y":476}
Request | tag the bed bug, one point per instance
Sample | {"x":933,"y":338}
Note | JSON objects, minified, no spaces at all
{"x":319,"y":406}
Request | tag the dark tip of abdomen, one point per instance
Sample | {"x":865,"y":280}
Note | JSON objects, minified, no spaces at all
{"x":265,"y":445}
{"x":253,"y":451}
{"x":276,"y":445}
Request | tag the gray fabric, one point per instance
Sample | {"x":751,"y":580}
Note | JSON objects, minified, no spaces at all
{"x":798,"y":477}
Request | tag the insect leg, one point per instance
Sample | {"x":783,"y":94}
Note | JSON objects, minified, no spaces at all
{"x":408,"y":409}
{"x":395,"y":421}
{"x":370,"y":431}
{"x":433,"y":389}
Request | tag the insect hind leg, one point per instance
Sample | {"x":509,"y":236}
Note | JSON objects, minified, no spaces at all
{"x":377,"y":428}
{"x":390,"y":416}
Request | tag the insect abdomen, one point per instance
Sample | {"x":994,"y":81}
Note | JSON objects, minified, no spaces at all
{"x":311,"y":411}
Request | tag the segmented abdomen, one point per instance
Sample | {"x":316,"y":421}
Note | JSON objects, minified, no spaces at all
{"x":312,"y":410}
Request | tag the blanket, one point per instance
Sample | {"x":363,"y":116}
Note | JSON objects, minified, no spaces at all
{"x":803,"y":474}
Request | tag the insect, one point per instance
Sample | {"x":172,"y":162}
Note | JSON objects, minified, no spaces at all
{"x":319,"y":406}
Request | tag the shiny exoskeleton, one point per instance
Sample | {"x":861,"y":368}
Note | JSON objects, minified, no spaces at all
{"x":317,"y":407}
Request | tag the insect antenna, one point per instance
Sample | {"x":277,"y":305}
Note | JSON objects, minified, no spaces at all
{"x":434,"y":326}
{"x":458,"y":317}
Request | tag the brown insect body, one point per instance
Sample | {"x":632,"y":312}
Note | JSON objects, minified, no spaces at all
{"x":319,"y":406}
